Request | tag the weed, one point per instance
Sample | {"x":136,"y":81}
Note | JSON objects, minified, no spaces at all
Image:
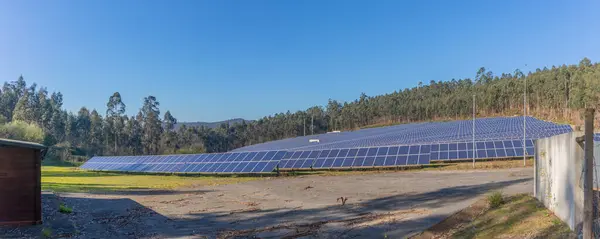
{"x":64,"y":209}
{"x":343,"y":199}
{"x":46,"y":232}
{"x":556,"y":222}
{"x":495,"y":199}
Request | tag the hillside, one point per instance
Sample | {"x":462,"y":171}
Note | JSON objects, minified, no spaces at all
{"x":555,"y":93}
{"x":211,"y":125}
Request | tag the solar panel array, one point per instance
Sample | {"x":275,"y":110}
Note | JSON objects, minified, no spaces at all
{"x":486,"y":129}
{"x":401,"y":145}
{"x":246,"y":162}
{"x":403,"y":155}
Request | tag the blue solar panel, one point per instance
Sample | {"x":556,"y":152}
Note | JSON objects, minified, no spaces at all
{"x":486,"y":129}
{"x":488,"y":149}
{"x":237,"y":162}
{"x":409,"y":144}
{"x":357,"y":157}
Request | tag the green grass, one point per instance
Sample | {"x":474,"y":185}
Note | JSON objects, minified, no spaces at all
{"x":520,"y":216}
{"x":71,"y":179}
{"x":64,"y":209}
{"x":495,"y":199}
{"x":65,"y":177}
{"x":46,"y":232}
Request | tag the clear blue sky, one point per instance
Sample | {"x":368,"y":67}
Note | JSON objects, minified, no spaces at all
{"x":214,"y":60}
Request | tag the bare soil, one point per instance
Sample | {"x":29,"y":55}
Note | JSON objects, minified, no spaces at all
{"x":387,"y":204}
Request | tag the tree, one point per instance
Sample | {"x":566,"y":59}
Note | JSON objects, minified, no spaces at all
{"x":135,"y":130}
{"x":552,"y":92}
{"x":83,"y":127}
{"x":169,"y":135}
{"x":95,"y":136}
{"x":114,"y":112}
{"x":152,"y":127}
{"x":21,"y":111}
{"x":334,"y":109}
{"x":71,"y":128}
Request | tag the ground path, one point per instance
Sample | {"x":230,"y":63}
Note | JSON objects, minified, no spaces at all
{"x":392,"y":204}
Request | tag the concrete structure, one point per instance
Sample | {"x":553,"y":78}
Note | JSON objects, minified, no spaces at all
{"x":20,"y":182}
{"x":558,"y":177}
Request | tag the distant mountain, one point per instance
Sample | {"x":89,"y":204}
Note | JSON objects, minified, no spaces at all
{"x":211,"y":124}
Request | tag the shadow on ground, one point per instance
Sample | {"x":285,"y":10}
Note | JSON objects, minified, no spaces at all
{"x":90,"y":218}
{"x":110,"y":189}
{"x":394,"y":216}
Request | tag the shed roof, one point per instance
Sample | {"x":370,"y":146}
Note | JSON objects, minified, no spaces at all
{"x":22,"y":144}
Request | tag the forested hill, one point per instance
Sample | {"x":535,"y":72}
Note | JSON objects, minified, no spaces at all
{"x":211,"y":125}
{"x":32,"y":113}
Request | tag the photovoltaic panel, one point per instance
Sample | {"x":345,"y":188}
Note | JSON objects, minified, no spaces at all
{"x":483,"y":150}
{"x":379,"y":147}
{"x":232,"y":162}
{"x":486,"y":129}
{"x":357,"y":157}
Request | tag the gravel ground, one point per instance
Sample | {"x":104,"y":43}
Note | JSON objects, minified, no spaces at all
{"x":392,"y":204}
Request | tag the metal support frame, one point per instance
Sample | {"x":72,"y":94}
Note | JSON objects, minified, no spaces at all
{"x":588,"y":200}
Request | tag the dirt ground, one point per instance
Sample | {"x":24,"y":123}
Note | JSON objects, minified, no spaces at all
{"x":383,"y":205}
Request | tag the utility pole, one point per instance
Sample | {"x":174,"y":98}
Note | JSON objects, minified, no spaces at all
{"x":312,"y":126}
{"x":524,"y":120}
{"x":474,"y":152}
{"x":588,"y":194}
{"x":304,"y":125}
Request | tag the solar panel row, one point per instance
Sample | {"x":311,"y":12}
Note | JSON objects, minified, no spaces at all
{"x":402,"y":155}
{"x":266,"y":161}
{"x":484,"y":150}
{"x":496,"y":138}
{"x":486,"y":129}
{"x":357,"y":157}
{"x":246,"y":162}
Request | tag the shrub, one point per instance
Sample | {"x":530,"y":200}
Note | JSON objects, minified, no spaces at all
{"x":64,"y":209}
{"x":495,"y":199}
{"x":20,"y":130}
{"x":192,"y":149}
{"x":46,"y":232}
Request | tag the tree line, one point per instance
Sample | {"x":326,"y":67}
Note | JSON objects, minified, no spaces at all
{"x":32,"y":113}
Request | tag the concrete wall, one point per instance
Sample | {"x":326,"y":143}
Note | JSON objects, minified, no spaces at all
{"x":596,"y":166}
{"x":558,"y":181}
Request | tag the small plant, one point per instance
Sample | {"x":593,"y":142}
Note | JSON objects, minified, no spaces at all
{"x":495,"y":199}
{"x":556,"y":221}
{"x":343,"y":199}
{"x":64,"y":209}
{"x":46,"y":232}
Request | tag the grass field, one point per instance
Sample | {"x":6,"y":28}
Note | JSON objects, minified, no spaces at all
{"x":65,"y":177}
{"x":71,"y":179}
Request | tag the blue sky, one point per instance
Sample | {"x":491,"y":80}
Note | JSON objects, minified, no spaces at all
{"x":214,"y":60}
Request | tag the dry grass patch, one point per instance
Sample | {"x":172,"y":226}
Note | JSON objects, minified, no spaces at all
{"x":521,"y":216}
{"x":492,"y":164}
{"x":437,"y":166}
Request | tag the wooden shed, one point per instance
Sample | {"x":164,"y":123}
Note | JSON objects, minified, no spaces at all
{"x":20,"y":182}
